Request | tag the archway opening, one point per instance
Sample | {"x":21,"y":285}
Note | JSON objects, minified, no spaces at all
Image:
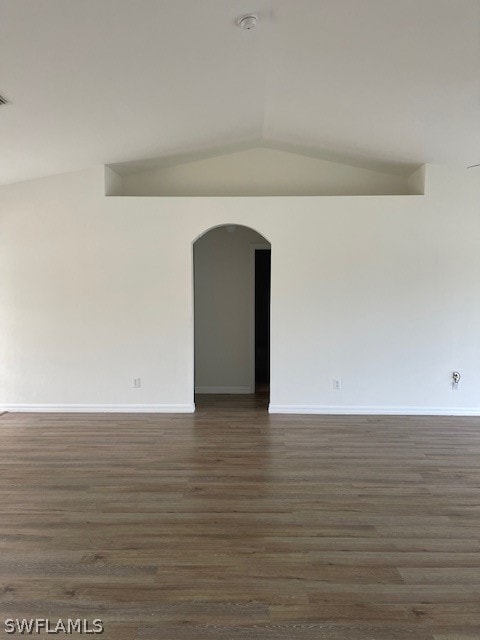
{"x":232,"y":274}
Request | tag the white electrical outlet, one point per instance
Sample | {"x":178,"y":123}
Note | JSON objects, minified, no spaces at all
{"x":337,"y":384}
{"x":137,"y":383}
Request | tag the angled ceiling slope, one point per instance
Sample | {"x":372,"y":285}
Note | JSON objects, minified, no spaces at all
{"x":383,"y":82}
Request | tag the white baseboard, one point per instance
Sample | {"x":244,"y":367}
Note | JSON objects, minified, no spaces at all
{"x":223,"y":390}
{"x":273,"y":408}
{"x":98,"y":408}
{"x":375,"y":410}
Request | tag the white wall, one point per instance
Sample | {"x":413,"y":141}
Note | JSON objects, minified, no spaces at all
{"x":224,"y":310}
{"x":262,"y":172}
{"x":113,"y":183}
{"x":381,"y":292}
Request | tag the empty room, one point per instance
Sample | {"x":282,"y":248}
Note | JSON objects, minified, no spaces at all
{"x":240,"y":319}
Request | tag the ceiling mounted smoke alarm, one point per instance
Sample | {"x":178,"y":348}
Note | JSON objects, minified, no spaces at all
{"x":247,"y":22}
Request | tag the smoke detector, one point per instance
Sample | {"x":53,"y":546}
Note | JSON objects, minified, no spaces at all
{"x":3,"y":100}
{"x":247,"y":22}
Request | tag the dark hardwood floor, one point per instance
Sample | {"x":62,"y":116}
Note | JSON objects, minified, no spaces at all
{"x":231,"y":524}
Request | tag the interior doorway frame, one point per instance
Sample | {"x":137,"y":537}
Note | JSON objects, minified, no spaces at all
{"x":253,"y":247}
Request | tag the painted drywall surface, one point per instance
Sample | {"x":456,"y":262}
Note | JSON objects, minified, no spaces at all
{"x":91,"y":296}
{"x":262,"y":171}
{"x":416,"y":181}
{"x":113,"y":183}
{"x":224,"y":307}
{"x":381,"y":292}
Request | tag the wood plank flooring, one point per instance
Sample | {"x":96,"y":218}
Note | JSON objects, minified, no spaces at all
{"x":233,"y":524}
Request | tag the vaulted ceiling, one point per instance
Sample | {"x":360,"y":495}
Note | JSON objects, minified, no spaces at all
{"x":382,"y":83}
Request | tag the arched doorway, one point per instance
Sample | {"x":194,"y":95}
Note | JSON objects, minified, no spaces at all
{"x":231,"y":265}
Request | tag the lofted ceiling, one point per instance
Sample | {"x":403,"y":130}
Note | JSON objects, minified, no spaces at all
{"x":386,"y":84}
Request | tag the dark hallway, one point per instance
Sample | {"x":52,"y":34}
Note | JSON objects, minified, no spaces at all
{"x":262,"y":319}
